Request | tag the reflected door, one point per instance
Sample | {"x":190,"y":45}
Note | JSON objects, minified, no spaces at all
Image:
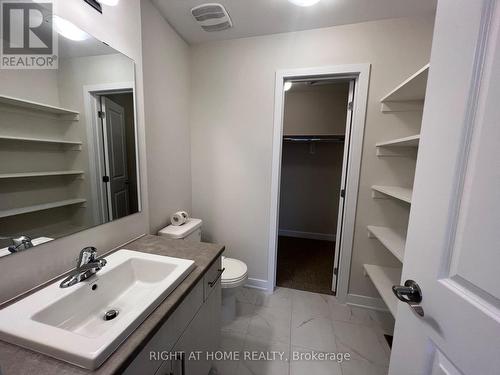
{"x":115,"y":150}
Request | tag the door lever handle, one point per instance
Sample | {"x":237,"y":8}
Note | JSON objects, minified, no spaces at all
{"x":411,"y":294}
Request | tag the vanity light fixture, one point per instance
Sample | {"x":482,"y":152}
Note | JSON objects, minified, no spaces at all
{"x":288,"y":85}
{"x":304,"y":3}
{"x":69,"y":30}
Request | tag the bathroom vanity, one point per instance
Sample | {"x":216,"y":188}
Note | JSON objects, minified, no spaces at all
{"x":173,"y":339}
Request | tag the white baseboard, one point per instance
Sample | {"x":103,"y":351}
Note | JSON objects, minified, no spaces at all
{"x":257,"y":284}
{"x":308,"y":235}
{"x":366,"y":302}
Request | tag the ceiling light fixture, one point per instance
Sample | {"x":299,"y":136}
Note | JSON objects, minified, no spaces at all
{"x":304,"y":3}
{"x":287,"y":86}
{"x":69,"y":30}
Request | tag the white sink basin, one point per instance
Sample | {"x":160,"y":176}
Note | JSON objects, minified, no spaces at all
{"x":69,"y":323}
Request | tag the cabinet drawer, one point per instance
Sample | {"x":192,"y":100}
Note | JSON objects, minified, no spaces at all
{"x":165,"y":339}
{"x":212,"y":277}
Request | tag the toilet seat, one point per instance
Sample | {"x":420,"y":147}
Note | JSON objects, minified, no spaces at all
{"x":235,"y":273}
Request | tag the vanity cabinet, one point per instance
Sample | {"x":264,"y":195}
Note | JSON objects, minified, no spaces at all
{"x":180,"y":346}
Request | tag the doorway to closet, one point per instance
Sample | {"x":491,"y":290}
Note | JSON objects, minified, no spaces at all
{"x":349,"y":136}
{"x":316,"y":116}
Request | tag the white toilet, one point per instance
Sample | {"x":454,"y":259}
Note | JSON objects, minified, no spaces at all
{"x":235,"y":271}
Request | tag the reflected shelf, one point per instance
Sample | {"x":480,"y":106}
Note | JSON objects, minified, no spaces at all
{"x":40,"y":174}
{"x":40,"y":207}
{"x":39,"y":107}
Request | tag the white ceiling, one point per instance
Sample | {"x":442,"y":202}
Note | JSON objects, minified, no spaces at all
{"x":262,"y":17}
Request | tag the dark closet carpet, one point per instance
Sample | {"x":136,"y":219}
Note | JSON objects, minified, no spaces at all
{"x":305,"y":264}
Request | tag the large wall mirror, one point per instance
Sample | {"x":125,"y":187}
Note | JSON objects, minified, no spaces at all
{"x":68,"y":143}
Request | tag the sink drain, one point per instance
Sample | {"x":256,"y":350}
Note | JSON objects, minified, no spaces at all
{"x":111,"y":314}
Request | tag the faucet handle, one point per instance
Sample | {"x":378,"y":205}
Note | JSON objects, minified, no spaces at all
{"x":87,"y":255}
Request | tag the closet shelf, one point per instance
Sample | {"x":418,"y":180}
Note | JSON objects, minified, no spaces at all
{"x":40,"y":140}
{"x":396,"y":192}
{"x":399,"y":146}
{"x":40,"y":107}
{"x":390,"y":238}
{"x":384,"y":278}
{"x":40,"y":207}
{"x":40,"y":174}
{"x":409,"y":95}
{"x":412,"y":89}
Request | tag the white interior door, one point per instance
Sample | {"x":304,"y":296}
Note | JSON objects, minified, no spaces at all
{"x":115,"y":147}
{"x":343,"y":184}
{"x":453,"y":243}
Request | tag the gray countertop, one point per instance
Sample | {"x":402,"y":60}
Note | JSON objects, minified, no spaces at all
{"x":15,"y":360}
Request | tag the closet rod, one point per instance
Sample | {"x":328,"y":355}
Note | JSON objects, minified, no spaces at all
{"x":308,"y":139}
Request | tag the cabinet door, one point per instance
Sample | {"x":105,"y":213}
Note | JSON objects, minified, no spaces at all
{"x":202,"y":336}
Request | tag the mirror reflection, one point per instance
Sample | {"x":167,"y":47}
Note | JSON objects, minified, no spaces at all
{"x":68,"y":145}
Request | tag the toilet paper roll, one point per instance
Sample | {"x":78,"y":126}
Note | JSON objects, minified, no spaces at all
{"x":179,"y":218}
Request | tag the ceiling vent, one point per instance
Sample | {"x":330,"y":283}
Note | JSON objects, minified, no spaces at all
{"x":212,"y":17}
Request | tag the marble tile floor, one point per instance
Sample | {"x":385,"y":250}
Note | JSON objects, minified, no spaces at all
{"x":294,"y":324}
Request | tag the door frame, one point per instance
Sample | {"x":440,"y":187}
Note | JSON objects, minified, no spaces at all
{"x":361,"y":74}
{"x":91,"y":94}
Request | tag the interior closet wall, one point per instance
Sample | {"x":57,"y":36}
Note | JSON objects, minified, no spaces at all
{"x":311,"y":172}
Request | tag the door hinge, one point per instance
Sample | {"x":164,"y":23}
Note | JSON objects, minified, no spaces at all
{"x":101,"y":114}
{"x":350,"y":106}
{"x":336,"y":271}
{"x":342,"y":193}
{"x":105,"y":178}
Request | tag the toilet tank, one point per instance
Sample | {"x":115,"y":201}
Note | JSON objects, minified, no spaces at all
{"x":190,"y":231}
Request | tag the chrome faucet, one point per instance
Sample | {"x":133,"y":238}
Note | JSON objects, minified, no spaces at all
{"x":87,"y":265}
{"x":18,"y":243}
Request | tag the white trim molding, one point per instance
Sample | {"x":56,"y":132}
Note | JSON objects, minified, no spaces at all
{"x":366,"y":302}
{"x":361,"y":74}
{"x":257,"y":284}
{"x":307,"y":235}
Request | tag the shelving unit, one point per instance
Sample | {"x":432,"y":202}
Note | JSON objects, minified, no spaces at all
{"x":396,"y":192}
{"x":41,"y":207}
{"x":40,"y":174}
{"x":409,"y":95}
{"x":39,"y":107}
{"x":397,"y":147}
{"x":74,"y":144}
{"x":384,"y":278}
{"x":390,"y":238}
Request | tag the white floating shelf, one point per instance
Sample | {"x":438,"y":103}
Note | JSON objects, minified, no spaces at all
{"x":412,"y":89}
{"x":384,"y":278}
{"x":40,"y":174}
{"x":396,"y":192}
{"x":41,"y":140}
{"x":34,"y":106}
{"x":399,"y":146}
{"x":40,"y":207}
{"x":409,"y":95}
{"x":390,"y":238}
{"x":411,"y":141}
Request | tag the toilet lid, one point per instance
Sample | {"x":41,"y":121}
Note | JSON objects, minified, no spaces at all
{"x":234,"y":269}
